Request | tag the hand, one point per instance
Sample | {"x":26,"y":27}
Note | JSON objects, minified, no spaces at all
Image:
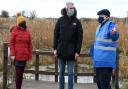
{"x":76,"y":55}
{"x":12,"y":59}
{"x":55,"y":53}
{"x":114,"y":31}
{"x":113,"y":72}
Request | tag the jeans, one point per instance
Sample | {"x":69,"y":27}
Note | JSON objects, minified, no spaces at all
{"x":19,"y":66}
{"x":103,"y":77}
{"x":19,"y":76}
{"x":70,"y":70}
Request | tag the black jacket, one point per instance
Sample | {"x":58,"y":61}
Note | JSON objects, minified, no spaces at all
{"x":68,"y":35}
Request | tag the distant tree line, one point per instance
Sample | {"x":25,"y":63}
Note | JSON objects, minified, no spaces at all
{"x":32,"y":15}
{"x":4,"y":14}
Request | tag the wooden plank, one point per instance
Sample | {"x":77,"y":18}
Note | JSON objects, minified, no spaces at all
{"x":52,"y":85}
{"x":50,"y":53}
{"x":53,"y":73}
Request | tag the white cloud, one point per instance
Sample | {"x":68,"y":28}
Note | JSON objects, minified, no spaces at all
{"x":51,"y":8}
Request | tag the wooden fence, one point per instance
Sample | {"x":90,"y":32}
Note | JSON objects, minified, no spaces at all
{"x":55,"y":73}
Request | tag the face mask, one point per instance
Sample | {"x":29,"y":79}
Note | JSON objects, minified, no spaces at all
{"x":100,"y":19}
{"x":70,"y":12}
{"x":23,"y":25}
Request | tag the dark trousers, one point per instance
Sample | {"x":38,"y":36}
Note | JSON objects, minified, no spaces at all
{"x":19,"y":76}
{"x":103,"y":77}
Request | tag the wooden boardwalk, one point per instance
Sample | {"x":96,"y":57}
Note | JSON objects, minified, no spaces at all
{"x":51,"y":85}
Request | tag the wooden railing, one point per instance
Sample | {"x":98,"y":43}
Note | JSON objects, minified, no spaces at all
{"x":55,"y":73}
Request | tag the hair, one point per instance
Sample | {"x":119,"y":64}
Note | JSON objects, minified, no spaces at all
{"x":69,"y":2}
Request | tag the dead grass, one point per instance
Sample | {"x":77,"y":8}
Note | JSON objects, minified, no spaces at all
{"x":42,"y":35}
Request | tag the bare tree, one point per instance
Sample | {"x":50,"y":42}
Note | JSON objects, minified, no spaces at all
{"x":33,"y":15}
{"x":4,"y":14}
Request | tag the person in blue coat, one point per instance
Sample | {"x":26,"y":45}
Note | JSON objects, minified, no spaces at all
{"x":104,"y":49}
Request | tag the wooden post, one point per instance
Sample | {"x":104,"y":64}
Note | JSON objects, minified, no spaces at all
{"x":113,"y":80}
{"x":75,"y":71}
{"x":94,"y":77}
{"x":56,"y":69}
{"x":37,"y":65}
{"x":5,"y":63}
{"x":117,"y":71}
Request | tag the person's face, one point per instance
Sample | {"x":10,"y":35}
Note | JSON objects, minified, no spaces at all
{"x":23,"y":25}
{"x":70,"y":9}
{"x":102,"y":18}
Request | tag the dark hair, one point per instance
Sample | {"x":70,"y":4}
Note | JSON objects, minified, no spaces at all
{"x":104,"y":12}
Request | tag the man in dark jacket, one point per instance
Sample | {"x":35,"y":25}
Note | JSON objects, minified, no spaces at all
{"x":68,"y":35}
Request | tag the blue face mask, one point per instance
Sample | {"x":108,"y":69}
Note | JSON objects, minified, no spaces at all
{"x":70,"y":12}
{"x":100,"y":19}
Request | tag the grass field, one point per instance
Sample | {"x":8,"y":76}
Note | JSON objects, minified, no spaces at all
{"x":42,"y":36}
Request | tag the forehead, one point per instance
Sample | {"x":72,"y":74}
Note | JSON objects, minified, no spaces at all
{"x":69,"y":5}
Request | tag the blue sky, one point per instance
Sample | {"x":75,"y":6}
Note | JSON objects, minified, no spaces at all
{"x":51,"y":8}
